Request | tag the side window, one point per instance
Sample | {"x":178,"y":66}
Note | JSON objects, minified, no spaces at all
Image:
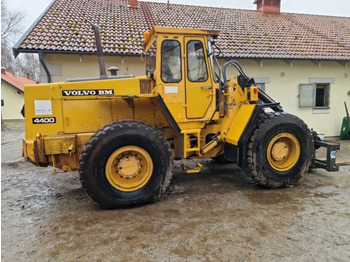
{"x":197,"y":68}
{"x":171,"y":61}
{"x":151,"y":59}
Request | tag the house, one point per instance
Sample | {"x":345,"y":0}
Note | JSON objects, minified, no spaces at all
{"x":300,"y":60}
{"x":12,"y":94}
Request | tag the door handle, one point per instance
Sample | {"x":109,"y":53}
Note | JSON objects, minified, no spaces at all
{"x":206,"y":87}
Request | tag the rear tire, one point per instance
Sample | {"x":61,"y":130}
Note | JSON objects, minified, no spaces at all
{"x":279,"y":151}
{"x":125,"y":163}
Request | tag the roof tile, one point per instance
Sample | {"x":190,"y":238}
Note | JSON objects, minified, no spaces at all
{"x":244,"y":33}
{"x":15,"y":80}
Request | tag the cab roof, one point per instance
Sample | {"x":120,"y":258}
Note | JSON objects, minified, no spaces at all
{"x":178,"y":31}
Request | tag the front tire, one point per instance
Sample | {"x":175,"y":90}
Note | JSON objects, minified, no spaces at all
{"x":125,"y":163}
{"x":279,"y":151}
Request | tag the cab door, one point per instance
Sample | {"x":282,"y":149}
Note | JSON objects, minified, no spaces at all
{"x":198,"y":84}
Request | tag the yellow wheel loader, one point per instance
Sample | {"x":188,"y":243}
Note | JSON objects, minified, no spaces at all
{"x":123,"y":132}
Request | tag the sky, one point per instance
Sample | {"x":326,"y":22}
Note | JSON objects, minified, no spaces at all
{"x":34,"y":8}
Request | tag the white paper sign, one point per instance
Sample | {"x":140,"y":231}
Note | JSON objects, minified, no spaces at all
{"x":42,"y":107}
{"x":170,"y":90}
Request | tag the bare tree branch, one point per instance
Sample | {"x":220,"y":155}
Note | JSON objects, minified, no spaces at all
{"x":10,"y":27}
{"x":10,"y":23}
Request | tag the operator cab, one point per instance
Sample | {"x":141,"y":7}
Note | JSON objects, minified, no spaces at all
{"x":177,"y":61}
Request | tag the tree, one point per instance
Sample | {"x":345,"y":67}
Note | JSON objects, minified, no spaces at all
{"x":10,"y":24}
{"x":10,"y":29}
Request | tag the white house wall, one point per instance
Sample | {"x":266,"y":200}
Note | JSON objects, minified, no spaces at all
{"x":13,"y":102}
{"x":63,"y":67}
{"x":282,"y":82}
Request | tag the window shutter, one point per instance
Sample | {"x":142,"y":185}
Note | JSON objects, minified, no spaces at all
{"x":307,"y":95}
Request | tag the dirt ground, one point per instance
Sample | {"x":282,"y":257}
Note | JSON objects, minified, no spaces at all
{"x":216,"y":215}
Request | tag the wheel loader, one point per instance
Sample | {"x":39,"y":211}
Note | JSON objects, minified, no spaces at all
{"x":123,"y":133}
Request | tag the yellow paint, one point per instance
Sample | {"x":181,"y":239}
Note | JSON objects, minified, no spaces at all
{"x":188,"y":148}
{"x":251,"y":93}
{"x":177,"y":31}
{"x":199,"y":95}
{"x":283,"y":151}
{"x":28,"y":150}
{"x":82,"y":116}
{"x":195,"y":170}
{"x":63,"y":144}
{"x":191,"y":100}
{"x":129,"y":168}
{"x":74,"y":111}
{"x":239,"y":123}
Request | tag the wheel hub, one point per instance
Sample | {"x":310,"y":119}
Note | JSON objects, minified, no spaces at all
{"x":129,"y":166}
{"x":283,"y":151}
{"x":280,"y":151}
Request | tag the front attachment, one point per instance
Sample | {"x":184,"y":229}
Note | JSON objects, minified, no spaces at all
{"x":330,"y":163}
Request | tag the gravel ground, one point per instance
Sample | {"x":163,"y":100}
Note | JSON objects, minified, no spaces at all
{"x":216,"y":215}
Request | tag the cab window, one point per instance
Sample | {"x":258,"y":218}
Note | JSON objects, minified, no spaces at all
{"x":197,"y":68}
{"x":171,"y":61}
{"x":151,"y":59}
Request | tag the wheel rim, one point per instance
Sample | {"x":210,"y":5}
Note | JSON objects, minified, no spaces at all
{"x":283,"y":151}
{"x":129,"y":168}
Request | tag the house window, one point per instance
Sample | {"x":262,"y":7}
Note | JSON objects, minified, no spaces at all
{"x":2,"y":102}
{"x":315,"y":95}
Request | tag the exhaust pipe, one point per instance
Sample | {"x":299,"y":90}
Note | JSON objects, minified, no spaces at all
{"x":101,"y":61}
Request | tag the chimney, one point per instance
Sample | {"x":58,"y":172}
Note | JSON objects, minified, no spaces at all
{"x":28,"y":76}
{"x":133,"y":3}
{"x":3,"y":70}
{"x":268,"y":6}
